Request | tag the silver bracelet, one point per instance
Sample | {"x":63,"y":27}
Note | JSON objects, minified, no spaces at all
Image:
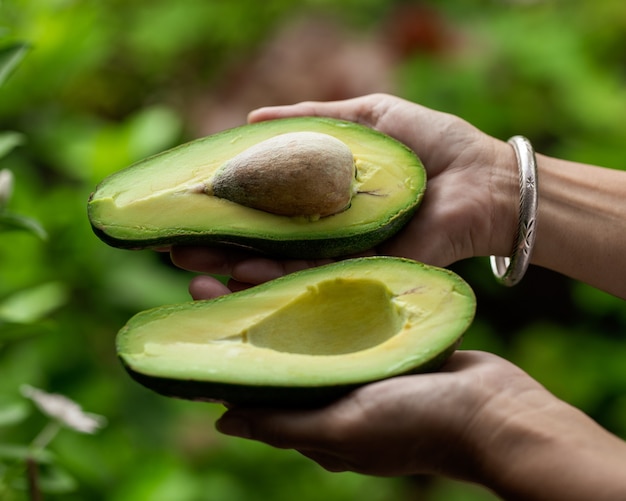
{"x":509,"y":271}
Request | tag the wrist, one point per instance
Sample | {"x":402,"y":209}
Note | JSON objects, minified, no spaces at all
{"x":582,"y":203}
{"x":567,"y":455}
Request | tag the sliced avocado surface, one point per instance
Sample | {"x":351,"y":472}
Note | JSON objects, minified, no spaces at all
{"x":162,"y":200}
{"x":305,"y":338}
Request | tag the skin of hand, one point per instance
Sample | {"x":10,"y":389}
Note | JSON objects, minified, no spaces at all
{"x":455,"y":222}
{"x":480,"y":419}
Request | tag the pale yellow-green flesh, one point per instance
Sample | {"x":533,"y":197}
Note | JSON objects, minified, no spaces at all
{"x":165,"y":192}
{"x":357,"y":324}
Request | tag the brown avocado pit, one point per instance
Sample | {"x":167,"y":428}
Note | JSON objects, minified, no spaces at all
{"x":293,"y":174}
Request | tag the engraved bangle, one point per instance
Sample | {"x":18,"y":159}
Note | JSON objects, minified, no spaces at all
{"x":509,"y":271}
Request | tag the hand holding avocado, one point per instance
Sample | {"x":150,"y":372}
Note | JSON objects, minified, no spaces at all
{"x":479,"y":418}
{"x":457,"y":218}
{"x":471,"y":203}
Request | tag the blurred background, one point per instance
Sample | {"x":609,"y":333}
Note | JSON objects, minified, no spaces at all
{"x":104,"y":83}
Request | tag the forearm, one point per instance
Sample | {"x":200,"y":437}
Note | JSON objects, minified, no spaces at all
{"x":559,"y":455}
{"x":581,"y":225}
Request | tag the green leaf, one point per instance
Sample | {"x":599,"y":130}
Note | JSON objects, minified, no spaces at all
{"x":10,"y":58}
{"x":30,"y":305}
{"x":11,"y":222}
{"x":8,"y":141}
{"x":17,"y":452}
{"x":12,"y":331}
{"x":13,"y":411}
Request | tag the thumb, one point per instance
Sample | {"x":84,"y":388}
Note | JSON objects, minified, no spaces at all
{"x":364,"y":109}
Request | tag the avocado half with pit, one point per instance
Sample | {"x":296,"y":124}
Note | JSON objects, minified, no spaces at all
{"x":304,"y":339}
{"x":307,"y":187}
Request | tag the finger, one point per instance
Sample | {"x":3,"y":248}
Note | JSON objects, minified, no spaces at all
{"x":365,"y":109}
{"x":242,"y":266}
{"x":467,"y":360}
{"x":284,"y":429}
{"x":205,"y":287}
{"x":329,"y":462}
{"x":207,"y":259}
{"x":259,"y":270}
{"x":236,"y":285}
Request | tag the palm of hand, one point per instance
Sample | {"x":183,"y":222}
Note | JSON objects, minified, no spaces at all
{"x":427,"y":423}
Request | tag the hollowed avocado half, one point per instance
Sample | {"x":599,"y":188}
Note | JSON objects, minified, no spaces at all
{"x":303,"y":339}
{"x":156,"y":202}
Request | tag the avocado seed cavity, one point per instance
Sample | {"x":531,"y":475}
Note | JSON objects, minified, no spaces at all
{"x":294,"y":174}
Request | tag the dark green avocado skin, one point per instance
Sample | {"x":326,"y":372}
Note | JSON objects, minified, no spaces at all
{"x":264,"y":396}
{"x":240,"y":395}
{"x":329,"y":247}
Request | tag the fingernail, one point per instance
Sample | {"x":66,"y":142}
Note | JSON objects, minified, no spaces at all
{"x":233,"y":425}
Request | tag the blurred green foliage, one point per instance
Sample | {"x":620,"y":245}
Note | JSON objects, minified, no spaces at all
{"x":107,"y":82}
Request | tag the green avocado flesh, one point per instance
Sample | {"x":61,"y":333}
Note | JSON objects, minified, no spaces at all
{"x":303,"y":339}
{"x":159,"y":201}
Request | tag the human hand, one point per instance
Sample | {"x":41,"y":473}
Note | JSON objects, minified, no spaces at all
{"x":469,"y":208}
{"x":424,"y":423}
{"x":479,"y":419}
